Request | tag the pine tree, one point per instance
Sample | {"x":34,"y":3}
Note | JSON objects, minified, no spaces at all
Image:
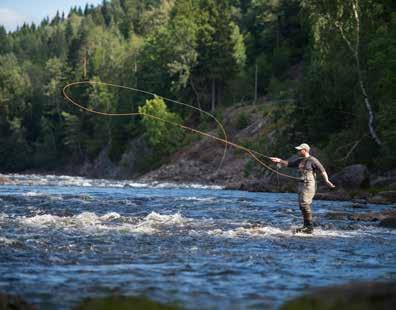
{"x":220,"y":47}
{"x":5,"y":44}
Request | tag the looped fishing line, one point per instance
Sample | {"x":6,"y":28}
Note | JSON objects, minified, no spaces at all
{"x":225,"y":141}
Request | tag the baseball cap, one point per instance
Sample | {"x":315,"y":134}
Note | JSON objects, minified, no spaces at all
{"x":303,"y":146}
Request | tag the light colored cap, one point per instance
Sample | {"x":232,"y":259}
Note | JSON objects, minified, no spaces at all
{"x":303,"y":146}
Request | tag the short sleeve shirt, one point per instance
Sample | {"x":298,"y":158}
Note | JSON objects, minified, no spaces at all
{"x":306,"y":164}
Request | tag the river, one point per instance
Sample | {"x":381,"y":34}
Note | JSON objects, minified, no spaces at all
{"x":63,"y":239}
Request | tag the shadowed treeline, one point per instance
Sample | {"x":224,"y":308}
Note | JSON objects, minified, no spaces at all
{"x":333,"y":61}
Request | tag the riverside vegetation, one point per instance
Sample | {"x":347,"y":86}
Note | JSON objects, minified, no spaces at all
{"x":330,"y":66}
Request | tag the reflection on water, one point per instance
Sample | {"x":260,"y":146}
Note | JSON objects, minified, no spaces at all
{"x":63,"y":239}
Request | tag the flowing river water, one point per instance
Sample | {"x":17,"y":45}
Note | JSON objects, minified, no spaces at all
{"x":63,"y":239}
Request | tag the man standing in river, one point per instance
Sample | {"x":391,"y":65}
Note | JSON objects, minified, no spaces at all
{"x":308,"y":166}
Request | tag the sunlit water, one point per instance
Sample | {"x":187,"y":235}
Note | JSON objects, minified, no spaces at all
{"x":63,"y":239}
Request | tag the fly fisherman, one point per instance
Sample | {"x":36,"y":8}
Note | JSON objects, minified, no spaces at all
{"x":308,"y":166}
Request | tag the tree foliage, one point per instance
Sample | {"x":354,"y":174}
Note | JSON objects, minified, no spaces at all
{"x":160,"y":125}
{"x":203,"y":52}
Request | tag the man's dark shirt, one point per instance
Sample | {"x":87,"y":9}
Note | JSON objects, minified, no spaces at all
{"x":306,"y":163}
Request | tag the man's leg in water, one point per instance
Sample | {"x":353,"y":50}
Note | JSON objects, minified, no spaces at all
{"x":305,"y":200}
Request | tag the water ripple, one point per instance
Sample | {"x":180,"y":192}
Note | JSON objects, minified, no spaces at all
{"x":66,"y":238}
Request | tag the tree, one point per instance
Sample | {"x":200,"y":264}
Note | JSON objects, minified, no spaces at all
{"x":221,"y":50}
{"x":56,"y":20}
{"x":381,"y":71}
{"x":102,"y":100}
{"x":14,"y":85}
{"x":14,"y":88}
{"x":56,"y":77}
{"x":105,"y":9}
{"x":57,"y":44}
{"x":5,"y":44}
{"x":75,"y":137}
{"x":183,"y":30}
{"x":162,"y":131}
{"x":345,"y":17}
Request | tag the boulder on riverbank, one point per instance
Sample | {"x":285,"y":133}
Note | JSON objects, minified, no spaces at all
{"x":11,"y":302}
{"x":122,"y":302}
{"x":362,"y":296}
{"x":352,"y":177}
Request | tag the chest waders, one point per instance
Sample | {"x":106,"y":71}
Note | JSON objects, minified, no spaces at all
{"x":306,"y":192}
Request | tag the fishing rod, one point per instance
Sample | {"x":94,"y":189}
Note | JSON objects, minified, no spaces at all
{"x":252,"y":153}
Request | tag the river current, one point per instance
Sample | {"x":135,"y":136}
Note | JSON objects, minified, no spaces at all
{"x":63,"y":239}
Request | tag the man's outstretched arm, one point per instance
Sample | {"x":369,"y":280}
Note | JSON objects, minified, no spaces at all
{"x":322,"y":170}
{"x":326,"y":178}
{"x":277,"y":160}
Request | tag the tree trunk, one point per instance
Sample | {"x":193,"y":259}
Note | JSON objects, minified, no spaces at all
{"x":355,"y":51}
{"x":255,"y":83}
{"x":213,"y":106}
{"x":355,"y":6}
{"x":196,"y":93}
{"x":219,"y":91}
{"x":367,"y":103}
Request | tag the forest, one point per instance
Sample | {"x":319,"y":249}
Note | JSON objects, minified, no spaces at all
{"x":333,"y":60}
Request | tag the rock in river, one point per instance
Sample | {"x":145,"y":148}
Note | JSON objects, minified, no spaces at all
{"x":11,"y":302}
{"x":122,"y":302}
{"x":362,"y":296}
{"x":389,"y":222}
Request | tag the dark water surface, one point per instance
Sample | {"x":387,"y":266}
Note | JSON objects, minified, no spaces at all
{"x":63,"y":239}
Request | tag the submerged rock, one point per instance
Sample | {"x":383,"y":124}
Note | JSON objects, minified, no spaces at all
{"x":367,"y":217}
{"x":254,"y":186}
{"x":11,"y":302}
{"x":121,"y":303}
{"x":389,"y":222}
{"x":333,"y":195}
{"x":362,"y":296}
{"x":358,"y":206}
{"x":388,"y":180}
{"x":385,"y":197}
{"x":4,"y":180}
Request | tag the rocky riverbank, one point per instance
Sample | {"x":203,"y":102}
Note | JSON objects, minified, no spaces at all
{"x":360,"y":295}
{"x":370,"y":295}
{"x":204,"y":162}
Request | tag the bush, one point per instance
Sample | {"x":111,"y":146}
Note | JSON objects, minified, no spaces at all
{"x":162,"y":130}
{"x":242,"y":121}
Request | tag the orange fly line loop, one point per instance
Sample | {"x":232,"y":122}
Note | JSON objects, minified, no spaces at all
{"x":252,"y":153}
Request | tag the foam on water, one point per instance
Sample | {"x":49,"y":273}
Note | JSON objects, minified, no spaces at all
{"x":270,"y":231}
{"x":7,"y":241}
{"x":171,"y":219}
{"x":85,"y":220}
{"x":91,"y":222}
{"x":33,"y":194}
{"x":184,"y":185}
{"x":63,"y":180}
{"x":155,"y":222}
{"x":110,"y":216}
{"x":195,"y":198}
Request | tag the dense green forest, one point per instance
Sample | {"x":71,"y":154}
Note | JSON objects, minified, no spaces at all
{"x":334,"y":60}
